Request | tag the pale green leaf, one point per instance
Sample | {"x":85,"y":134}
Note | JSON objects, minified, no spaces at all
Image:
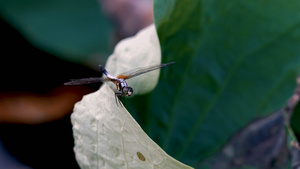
{"x":106,"y":136}
{"x":139,"y":51}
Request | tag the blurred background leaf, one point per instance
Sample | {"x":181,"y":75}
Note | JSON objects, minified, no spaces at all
{"x":235,"y":61}
{"x":44,"y":44}
{"x":76,"y":31}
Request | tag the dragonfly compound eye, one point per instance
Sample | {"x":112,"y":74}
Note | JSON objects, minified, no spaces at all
{"x":127,"y":91}
{"x":130,"y":91}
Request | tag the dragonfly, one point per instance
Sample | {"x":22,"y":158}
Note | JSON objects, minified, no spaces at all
{"x":120,"y":80}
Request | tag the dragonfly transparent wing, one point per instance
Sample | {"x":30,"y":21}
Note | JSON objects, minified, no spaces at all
{"x":91,"y":80}
{"x":87,"y":81}
{"x":141,"y":70}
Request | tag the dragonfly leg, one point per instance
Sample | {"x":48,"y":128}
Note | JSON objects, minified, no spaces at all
{"x":117,"y":98}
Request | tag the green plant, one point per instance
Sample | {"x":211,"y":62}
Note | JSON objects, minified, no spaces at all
{"x":236,"y":61}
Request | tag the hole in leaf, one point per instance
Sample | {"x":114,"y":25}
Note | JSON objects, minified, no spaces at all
{"x":141,"y":156}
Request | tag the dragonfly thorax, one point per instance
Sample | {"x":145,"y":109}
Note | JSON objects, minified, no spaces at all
{"x":122,"y":86}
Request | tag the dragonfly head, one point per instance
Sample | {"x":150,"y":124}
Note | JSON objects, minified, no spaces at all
{"x":127,"y":91}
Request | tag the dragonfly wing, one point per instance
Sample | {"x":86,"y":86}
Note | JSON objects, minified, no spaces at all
{"x":86,"y":81}
{"x":139,"y":71}
{"x":93,"y":79}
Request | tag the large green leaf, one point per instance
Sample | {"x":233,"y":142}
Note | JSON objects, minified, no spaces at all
{"x":74,"y":30}
{"x":235,"y":61}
